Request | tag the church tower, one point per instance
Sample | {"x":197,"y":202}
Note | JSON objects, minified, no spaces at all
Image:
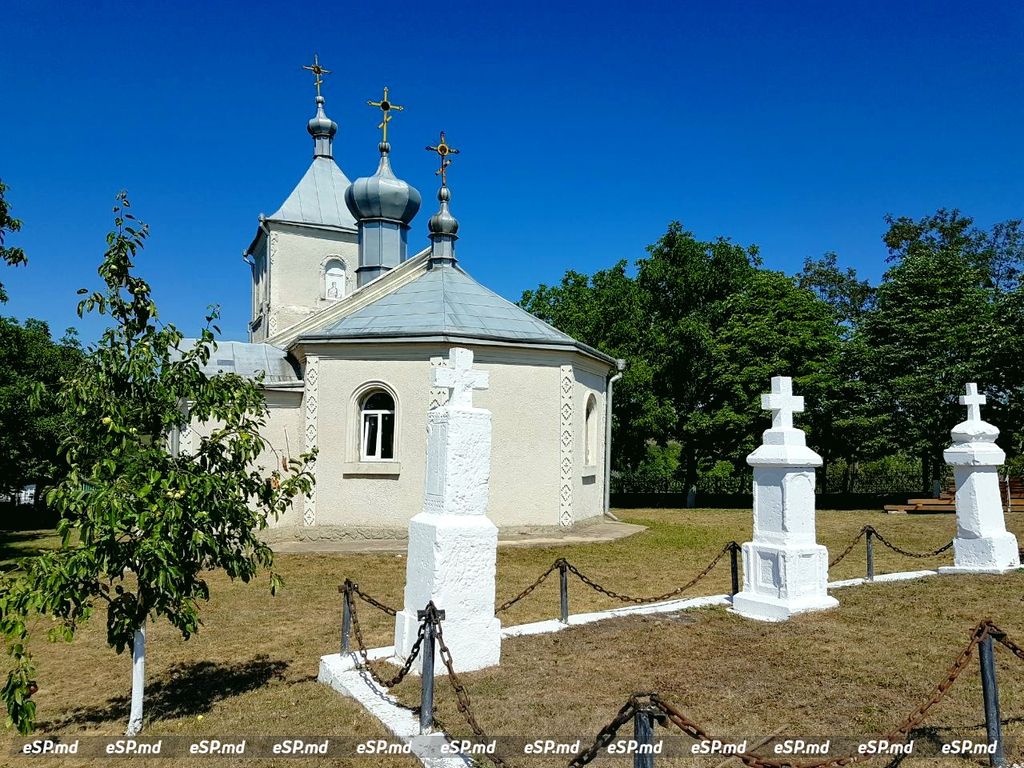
{"x":305,"y":255}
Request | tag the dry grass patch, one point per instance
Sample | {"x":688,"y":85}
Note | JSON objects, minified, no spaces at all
{"x":251,"y":670}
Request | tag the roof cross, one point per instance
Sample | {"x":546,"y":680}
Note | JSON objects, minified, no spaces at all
{"x":458,"y":376}
{"x":782,"y":402}
{"x":443,"y":150}
{"x":317,"y":71}
{"x":385,"y":106}
{"x":973,"y":401}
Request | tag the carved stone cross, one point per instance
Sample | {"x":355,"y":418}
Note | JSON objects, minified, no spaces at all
{"x":782,"y":402}
{"x":973,"y":401}
{"x":459,"y":377}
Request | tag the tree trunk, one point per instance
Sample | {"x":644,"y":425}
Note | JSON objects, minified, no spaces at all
{"x":138,"y":680}
{"x":926,"y":475}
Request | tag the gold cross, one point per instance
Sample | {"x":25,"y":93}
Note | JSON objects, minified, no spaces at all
{"x":317,"y":71}
{"x":385,"y":106}
{"x":443,"y":150}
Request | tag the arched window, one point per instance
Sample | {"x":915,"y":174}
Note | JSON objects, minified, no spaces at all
{"x":590,"y":432}
{"x":377,"y":442}
{"x":334,"y":280}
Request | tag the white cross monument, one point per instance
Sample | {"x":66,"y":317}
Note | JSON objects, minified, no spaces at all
{"x":785,"y":570}
{"x":982,"y":543}
{"x":452,"y":544}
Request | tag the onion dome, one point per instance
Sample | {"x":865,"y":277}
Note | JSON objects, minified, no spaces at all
{"x":442,"y":222}
{"x":383,"y":195}
{"x":322,"y":129}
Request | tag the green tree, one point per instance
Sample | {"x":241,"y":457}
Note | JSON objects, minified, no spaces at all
{"x":770,"y":327}
{"x":8,"y":224}
{"x":684,"y":280}
{"x":141,"y":522}
{"x":930,"y":331}
{"x":32,"y":425}
{"x":849,"y":297}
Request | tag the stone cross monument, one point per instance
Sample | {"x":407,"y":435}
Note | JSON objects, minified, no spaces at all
{"x":452,"y":544}
{"x":982,"y":543}
{"x":785,"y":570}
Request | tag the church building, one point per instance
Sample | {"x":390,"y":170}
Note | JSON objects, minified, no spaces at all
{"x":345,"y":328}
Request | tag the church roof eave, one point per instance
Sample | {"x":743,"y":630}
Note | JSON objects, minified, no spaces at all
{"x":460,"y":338}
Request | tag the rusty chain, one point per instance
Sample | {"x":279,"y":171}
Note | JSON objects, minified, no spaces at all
{"x":901,"y":732}
{"x":526,"y":592}
{"x":606,"y":734}
{"x":354,"y":588}
{"x":1000,"y":637}
{"x":364,"y":653}
{"x":461,"y":694}
{"x":849,"y":549}
{"x":657,"y":598}
{"x":906,"y":552}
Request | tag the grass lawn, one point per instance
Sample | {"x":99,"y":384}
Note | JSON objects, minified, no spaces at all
{"x":852,"y":672}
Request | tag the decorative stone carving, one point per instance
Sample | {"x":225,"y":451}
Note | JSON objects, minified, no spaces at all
{"x":566,"y":444}
{"x":453,"y":546}
{"x":438,"y":395}
{"x":785,"y":570}
{"x":310,"y":398}
{"x":982,"y":543}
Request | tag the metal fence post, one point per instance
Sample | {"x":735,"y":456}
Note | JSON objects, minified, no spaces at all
{"x":643,"y":734}
{"x":563,"y":590}
{"x":430,"y":615}
{"x":734,"y":567}
{"x":346,"y":614}
{"x":993,"y":723}
{"x":869,"y":538}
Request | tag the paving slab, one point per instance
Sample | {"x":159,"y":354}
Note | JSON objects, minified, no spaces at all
{"x":602,"y":531}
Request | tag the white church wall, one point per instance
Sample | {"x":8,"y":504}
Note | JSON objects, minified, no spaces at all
{"x":282,"y":433}
{"x":375,"y":499}
{"x":298,"y":256}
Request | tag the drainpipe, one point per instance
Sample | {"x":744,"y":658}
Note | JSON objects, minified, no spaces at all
{"x":620,"y":366}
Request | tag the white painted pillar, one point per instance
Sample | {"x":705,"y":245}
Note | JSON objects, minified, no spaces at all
{"x":982,"y":543}
{"x":452,"y":544}
{"x":785,"y":570}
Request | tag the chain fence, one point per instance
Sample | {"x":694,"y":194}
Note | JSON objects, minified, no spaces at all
{"x":640,"y":702}
{"x":364,"y":652}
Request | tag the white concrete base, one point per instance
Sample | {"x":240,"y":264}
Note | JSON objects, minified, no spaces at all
{"x":337,"y":672}
{"x":985,"y":554}
{"x":452,"y":563}
{"x":781,"y":580}
{"x":765,"y":608}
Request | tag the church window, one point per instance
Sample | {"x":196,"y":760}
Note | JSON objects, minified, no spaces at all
{"x":378,"y":427}
{"x":590,"y":432}
{"x":334,"y":280}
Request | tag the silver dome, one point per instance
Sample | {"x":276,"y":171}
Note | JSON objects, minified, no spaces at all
{"x":383,"y":195}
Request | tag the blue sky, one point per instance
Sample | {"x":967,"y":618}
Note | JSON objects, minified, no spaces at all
{"x":584,"y":128}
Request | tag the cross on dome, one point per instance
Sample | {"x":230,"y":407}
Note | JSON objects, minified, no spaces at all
{"x":459,"y":377}
{"x":782,"y":402}
{"x":443,"y":149}
{"x":385,"y":105}
{"x":973,"y":401}
{"x":318,"y":72}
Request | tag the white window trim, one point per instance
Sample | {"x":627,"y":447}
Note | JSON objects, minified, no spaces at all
{"x":365,"y":426}
{"x":357,"y":462}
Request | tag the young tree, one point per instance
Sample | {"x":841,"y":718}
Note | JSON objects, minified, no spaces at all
{"x":141,"y":522}
{"x":9,"y":254}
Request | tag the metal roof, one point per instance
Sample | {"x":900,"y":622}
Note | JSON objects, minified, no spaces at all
{"x":445,"y":301}
{"x":318,"y":198}
{"x":249,"y":360}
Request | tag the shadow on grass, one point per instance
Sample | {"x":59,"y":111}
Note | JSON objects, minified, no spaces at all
{"x":17,"y":544}
{"x":186,"y":690}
